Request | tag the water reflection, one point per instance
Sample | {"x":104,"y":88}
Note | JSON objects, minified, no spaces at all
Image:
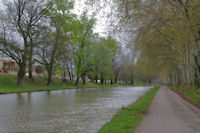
{"x":65,"y":111}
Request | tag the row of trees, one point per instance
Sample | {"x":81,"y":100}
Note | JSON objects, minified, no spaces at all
{"x":166,"y":38}
{"x":49,"y":34}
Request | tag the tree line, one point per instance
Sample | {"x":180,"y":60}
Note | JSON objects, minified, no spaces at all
{"x":166,"y":38}
{"x":48,"y":34}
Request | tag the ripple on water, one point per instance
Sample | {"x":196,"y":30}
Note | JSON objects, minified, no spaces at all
{"x":65,"y":111}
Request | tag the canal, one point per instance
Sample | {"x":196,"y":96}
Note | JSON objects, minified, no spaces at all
{"x":64,"y":111}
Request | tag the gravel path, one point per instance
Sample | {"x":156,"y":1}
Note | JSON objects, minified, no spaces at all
{"x":170,"y":114}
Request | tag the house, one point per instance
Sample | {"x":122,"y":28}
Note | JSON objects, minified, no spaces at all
{"x":7,"y":65}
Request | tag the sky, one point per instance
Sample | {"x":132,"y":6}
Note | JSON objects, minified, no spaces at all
{"x":106,"y":12}
{"x":102,"y":11}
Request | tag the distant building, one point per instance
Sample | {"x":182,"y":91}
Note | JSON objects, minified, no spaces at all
{"x":7,"y":65}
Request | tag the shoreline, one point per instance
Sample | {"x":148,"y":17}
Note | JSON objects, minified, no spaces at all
{"x":70,"y":88}
{"x":127,"y":119}
{"x":8,"y":85}
{"x":2,"y":93}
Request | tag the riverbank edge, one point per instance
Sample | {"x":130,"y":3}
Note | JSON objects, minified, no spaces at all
{"x":50,"y":89}
{"x":67,"y":88}
{"x":128,"y":118}
{"x":8,"y":85}
{"x":187,"y":96}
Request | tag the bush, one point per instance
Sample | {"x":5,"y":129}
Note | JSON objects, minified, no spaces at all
{"x":6,"y":69}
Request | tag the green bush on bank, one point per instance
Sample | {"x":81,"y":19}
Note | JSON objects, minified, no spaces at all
{"x":127,"y":119}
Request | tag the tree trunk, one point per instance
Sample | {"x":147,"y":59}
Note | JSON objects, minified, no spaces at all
{"x":22,"y":65}
{"x":83,"y":75}
{"x":70,"y":75}
{"x":196,"y":72}
{"x":96,"y":79}
{"x":83,"y":79}
{"x":21,"y":73}
{"x":77,"y":81}
{"x":64,"y":77}
{"x":19,"y":80}
{"x":30,"y":65}
{"x":132,"y":81}
{"x":116,"y":78}
{"x":49,"y":78}
{"x":30,"y":76}
{"x":111,"y":81}
{"x":72,"y":72}
{"x":30,"y":56}
{"x":49,"y":75}
{"x":102,"y":79}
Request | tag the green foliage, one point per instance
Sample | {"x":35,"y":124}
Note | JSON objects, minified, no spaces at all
{"x":127,"y":118}
{"x":82,"y":39}
{"x":5,"y":68}
{"x":104,"y":52}
{"x":166,"y":37}
{"x":55,"y":38}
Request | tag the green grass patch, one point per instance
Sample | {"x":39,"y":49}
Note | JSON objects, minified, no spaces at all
{"x":127,"y":119}
{"x":8,"y":84}
{"x":190,"y":93}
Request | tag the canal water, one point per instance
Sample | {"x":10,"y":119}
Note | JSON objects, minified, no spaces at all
{"x":64,"y":111}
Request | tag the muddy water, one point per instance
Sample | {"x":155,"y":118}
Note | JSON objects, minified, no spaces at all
{"x":65,"y":111}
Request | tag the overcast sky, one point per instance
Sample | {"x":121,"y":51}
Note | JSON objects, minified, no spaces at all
{"x":106,"y":14}
{"x":102,"y":11}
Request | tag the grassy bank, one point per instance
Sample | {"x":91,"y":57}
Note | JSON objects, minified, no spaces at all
{"x":8,"y":84}
{"x":127,"y":119}
{"x":188,"y":93}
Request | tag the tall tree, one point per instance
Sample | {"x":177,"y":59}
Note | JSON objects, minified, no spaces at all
{"x":166,"y":37}
{"x":82,"y":46}
{"x":18,"y":21}
{"x":55,"y":38}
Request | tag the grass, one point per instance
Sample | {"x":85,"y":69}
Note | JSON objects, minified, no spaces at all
{"x":127,"y":119}
{"x":8,"y":84}
{"x":190,"y":93}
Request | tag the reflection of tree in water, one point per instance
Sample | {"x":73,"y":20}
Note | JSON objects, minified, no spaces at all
{"x":90,"y":95}
{"x":20,"y":100}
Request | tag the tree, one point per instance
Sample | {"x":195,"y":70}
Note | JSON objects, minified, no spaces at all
{"x":82,"y":39}
{"x":55,"y":37}
{"x":102,"y":60}
{"x":66,"y":62}
{"x":105,"y":55}
{"x":18,"y":19}
{"x":166,"y":38}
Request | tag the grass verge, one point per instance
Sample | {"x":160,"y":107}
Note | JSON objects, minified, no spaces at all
{"x":189,"y":94}
{"x":127,"y":119}
{"x":8,"y":84}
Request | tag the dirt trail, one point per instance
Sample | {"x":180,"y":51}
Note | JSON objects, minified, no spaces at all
{"x":170,"y":114}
